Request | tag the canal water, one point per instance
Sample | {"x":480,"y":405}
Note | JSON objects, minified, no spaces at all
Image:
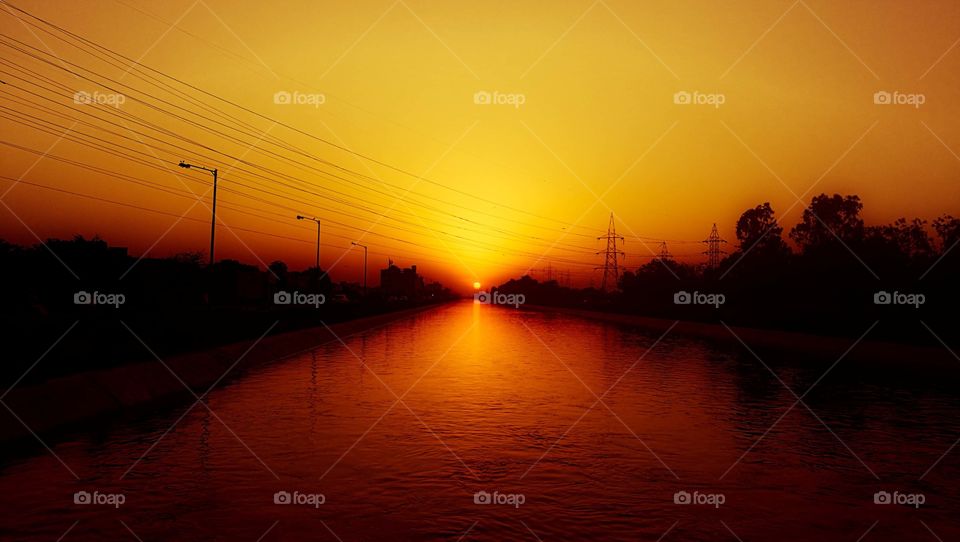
{"x":476,"y":422}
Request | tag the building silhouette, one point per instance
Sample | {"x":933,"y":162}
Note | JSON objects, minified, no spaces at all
{"x":401,"y":283}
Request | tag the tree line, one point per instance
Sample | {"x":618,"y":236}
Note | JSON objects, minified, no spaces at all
{"x":836,"y":276}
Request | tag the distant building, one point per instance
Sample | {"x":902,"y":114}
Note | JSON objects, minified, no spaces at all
{"x":401,"y":283}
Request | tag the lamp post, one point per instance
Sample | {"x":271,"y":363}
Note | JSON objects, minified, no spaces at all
{"x":364,"y":266}
{"x":317,"y":220}
{"x":213,"y":220}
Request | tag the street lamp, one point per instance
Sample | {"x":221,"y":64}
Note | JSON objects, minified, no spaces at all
{"x":213,"y":221}
{"x":317,"y":220}
{"x":364,"y":266}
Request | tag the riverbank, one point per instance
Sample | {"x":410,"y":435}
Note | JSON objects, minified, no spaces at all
{"x":875,"y":353}
{"x":72,"y":399}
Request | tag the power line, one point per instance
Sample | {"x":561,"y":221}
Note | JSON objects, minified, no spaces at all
{"x":137,"y":64}
{"x":539,"y":240}
{"x":289,"y":127}
{"x":269,"y":138}
{"x":237,"y":228}
{"x":393,"y":218}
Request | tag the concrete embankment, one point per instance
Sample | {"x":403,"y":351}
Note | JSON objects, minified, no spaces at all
{"x":79,"y":397}
{"x":878,"y":354}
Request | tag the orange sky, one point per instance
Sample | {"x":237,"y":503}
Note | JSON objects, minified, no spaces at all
{"x":597,"y":82}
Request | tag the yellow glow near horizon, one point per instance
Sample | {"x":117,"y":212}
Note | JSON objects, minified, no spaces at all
{"x":537,"y":107}
{"x":476,"y":285}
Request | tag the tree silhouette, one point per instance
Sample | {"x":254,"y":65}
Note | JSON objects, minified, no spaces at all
{"x":948,"y":263}
{"x":827,"y":220}
{"x":827,"y":287}
{"x":908,"y":240}
{"x":948,"y":230}
{"x":758,"y":230}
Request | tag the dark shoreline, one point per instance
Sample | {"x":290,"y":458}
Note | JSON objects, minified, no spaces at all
{"x":76,"y":398}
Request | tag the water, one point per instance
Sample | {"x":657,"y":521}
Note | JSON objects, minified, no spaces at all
{"x":498,"y":400}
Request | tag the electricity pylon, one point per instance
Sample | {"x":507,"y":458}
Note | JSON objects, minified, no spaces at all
{"x":713,"y":248}
{"x":611,"y":269}
{"x":664,"y":252}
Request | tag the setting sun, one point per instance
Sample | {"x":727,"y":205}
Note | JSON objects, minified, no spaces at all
{"x":476,"y":285}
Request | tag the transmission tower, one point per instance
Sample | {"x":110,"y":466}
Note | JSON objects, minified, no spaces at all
{"x":664,"y":252}
{"x":611,"y":271}
{"x":713,"y":248}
